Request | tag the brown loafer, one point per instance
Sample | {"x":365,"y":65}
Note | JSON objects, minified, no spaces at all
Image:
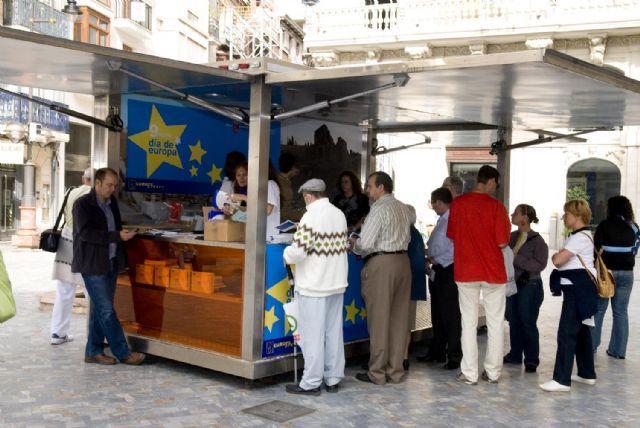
{"x":134,"y":359}
{"x":100,"y":359}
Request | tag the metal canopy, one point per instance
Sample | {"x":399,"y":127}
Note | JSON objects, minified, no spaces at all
{"x":39,"y":61}
{"x":524,"y":90}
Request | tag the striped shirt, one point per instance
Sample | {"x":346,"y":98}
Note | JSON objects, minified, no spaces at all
{"x":386,"y":228}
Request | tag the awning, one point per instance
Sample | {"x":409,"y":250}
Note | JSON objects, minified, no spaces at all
{"x":535,"y":89}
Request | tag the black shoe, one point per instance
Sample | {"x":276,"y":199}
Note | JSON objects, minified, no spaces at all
{"x":614,"y":356}
{"x":363,"y":377}
{"x":292,"y":388}
{"x":451,"y":365}
{"x":507,"y":360}
{"x":332,"y":388}
{"x":405,"y":364}
{"x":529,"y":368}
{"x":426,"y":358}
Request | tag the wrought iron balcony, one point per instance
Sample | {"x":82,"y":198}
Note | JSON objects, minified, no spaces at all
{"x":420,"y":20}
{"x":36,"y":16}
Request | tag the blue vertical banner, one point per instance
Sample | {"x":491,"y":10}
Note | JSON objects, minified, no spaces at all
{"x":175,"y":148}
{"x":276,"y":336}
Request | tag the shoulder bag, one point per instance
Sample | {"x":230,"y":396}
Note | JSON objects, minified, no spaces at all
{"x":7,"y":302}
{"x":604,"y":282}
{"x":49,"y":238}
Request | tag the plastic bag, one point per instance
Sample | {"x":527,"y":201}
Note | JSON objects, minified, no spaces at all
{"x":7,"y":303}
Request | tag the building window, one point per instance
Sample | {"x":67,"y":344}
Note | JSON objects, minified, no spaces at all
{"x":469,"y":172}
{"x":105,"y":2}
{"x":92,"y":28}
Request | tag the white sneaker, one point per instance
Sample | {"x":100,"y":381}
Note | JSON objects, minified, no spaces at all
{"x":576,"y":378}
{"x":553,"y":386}
{"x":57,"y":340}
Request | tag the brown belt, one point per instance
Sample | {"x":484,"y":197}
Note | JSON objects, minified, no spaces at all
{"x":380,"y":253}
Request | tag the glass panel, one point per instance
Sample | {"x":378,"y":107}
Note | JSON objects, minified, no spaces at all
{"x":103,"y":40}
{"x":93,"y":36}
{"x":93,"y":20}
{"x":468,"y":172}
{"x":104,"y":25}
{"x":77,"y":33}
{"x":183,"y":293}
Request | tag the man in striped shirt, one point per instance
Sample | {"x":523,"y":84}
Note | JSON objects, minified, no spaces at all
{"x":386,"y":279}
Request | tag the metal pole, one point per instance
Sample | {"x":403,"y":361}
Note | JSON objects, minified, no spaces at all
{"x":255,"y":229}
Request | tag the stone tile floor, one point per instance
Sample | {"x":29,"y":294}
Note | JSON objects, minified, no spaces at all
{"x":46,"y":386}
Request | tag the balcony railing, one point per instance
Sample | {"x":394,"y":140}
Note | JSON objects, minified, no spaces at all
{"x":136,"y":11}
{"x":461,"y":18}
{"x":36,"y":16}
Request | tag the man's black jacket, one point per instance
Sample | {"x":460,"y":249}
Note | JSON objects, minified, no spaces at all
{"x":91,"y":237}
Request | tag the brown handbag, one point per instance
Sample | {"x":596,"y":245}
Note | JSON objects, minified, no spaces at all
{"x":605,"y":284}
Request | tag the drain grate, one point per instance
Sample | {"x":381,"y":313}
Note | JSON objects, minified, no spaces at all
{"x":278,"y":411}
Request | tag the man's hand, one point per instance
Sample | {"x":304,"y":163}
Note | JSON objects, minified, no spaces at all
{"x":125,"y":235}
{"x":352,"y":241}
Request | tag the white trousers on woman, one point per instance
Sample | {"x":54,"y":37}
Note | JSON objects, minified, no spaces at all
{"x":321,"y":340}
{"x":62,"y":308}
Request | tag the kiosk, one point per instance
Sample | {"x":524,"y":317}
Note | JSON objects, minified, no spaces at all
{"x":228,"y":325}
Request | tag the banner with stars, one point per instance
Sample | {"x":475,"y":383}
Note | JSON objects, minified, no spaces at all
{"x":175,"y":148}
{"x":276,"y":336}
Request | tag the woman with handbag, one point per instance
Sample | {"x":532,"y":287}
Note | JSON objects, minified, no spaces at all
{"x":617,"y":236}
{"x":530,"y":258}
{"x":575,"y":278}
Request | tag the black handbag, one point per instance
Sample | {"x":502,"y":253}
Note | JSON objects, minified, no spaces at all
{"x":49,"y":238}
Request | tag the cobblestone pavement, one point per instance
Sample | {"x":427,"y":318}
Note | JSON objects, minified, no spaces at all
{"x":44,"y":386}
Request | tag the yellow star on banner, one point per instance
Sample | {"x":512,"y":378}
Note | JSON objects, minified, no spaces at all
{"x":352,"y":311}
{"x":194,"y":171}
{"x":279,"y":290}
{"x":363,"y":313}
{"x":270,"y":318}
{"x":197,"y":152}
{"x":214,"y":173}
{"x":160,"y":142}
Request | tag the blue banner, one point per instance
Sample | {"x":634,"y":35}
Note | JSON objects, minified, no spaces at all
{"x":276,"y":336}
{"x":173,"y":148}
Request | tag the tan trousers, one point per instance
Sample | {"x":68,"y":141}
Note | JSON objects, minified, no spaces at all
{"x":386,"y":290}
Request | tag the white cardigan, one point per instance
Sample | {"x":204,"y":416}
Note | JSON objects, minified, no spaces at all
{"x":319,"y":251}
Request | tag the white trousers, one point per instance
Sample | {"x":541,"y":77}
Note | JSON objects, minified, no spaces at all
{"x":494,"y":297}
{"x":62,"y":307}
{"x":320,"y":327}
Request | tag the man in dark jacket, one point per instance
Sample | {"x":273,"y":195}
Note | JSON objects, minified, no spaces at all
{"x":98,"y":255}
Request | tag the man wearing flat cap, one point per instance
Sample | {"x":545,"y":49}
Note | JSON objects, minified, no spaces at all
{"x":319,"y":251}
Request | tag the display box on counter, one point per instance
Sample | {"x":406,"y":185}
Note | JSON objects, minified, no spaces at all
{"x":144,"y":274}
{"x":224,"y":231}
{"x":180,"y":279}
{"x":205,"y":282}
{"x":162,"y":276}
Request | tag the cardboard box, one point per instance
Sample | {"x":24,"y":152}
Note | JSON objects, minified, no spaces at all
{"x":162,"y":276}
{"x":224,"y":231}
{"x":205,"y":282}
{"x":144,"y":274}
{"x":180,"y":279}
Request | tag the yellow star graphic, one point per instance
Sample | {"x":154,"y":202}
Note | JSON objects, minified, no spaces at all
{"x":197,"y":152}
{"x":214,"y":173}
{"x":270,"y":318}
{"x":160,"y":142}
{"x":352,"y":311}
{"x":363,"y":313}
{"x":194,"y":171}
{"x":279,"y":290}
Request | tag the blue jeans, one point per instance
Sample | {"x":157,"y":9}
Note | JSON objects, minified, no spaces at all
{"x":619,"y":305}
{"x":522,"y":313}
{"x":103,"y":321}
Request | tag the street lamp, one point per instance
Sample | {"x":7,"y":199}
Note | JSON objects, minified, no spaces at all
{"x":72,"y":8}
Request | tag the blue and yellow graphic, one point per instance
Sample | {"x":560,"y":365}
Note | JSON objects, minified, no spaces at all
{"x":175,"y":148}
{"x":276,"y":336}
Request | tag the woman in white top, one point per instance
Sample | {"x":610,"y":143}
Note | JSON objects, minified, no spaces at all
{"x":273,"y":198}
{"x":232,"y":160}
{"x":579,"y":300}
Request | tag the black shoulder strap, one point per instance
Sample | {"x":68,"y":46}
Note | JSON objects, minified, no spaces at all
{"x":64,"y":204}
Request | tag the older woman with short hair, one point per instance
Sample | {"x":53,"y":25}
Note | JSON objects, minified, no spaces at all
{"x":574,"y":277}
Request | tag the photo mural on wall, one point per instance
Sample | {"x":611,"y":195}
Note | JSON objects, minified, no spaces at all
{"x":322,"y":150}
